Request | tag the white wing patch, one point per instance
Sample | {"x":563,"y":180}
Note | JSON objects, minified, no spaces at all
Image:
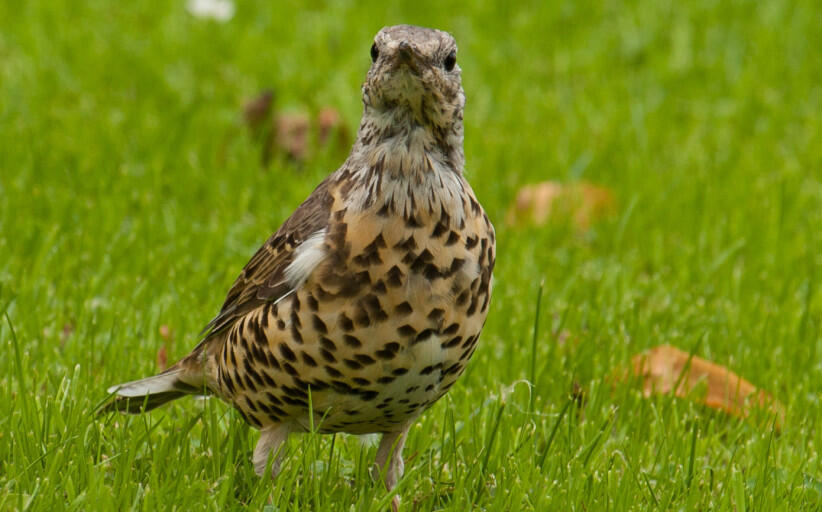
{"x":307,"y":256}
{"x":150,"y":385}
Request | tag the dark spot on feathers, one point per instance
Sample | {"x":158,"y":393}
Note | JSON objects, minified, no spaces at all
{"x":407,"y":245}
{"x":295,"y":334}
{"x":250,"y":404}
{"x":295,"y":401}
{"x":272,"y":400}
{"x":451,"y":329}
{"x":269,"y":382}
{"x":352,"y":341}
{"x":341,"y":387}
{"x":327,"y":344}
{"x":296,"y":392}
{"x":470,"y":341}
{"x":364,"y":359}
{"x":406,"y":330}
{"x":453,"y":342}
{"x":436,"y":314}
{"x":328,"y":356}
{"x":439,"y":229}
{"x":287,"y":353}
{"x":430,"y":369}
{"x":249,"y":384}
{"x":454,"y":368}
{"x":272,"y":361}
{"x":307,"y":359}
{"x":411,"y":221}
{"x":345,"y":323}
{"x":379,"y":287}
{"x":389,"y":351}
{"x":422,"y":336}
{"x":369,"y":395}
{"x":331,"y":371}
{"x":403,"y":309}
{"x":319,"y":325}
{"x":473,"y":307}
{"x":354,"y":365}
{"x":361,"y":318}
{"x":395,"y":277}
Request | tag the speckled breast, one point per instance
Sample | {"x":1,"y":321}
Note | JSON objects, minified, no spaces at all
{"x":381,"y":329}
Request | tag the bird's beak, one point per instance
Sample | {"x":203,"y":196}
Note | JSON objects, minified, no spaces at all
{"x":408,"y":56}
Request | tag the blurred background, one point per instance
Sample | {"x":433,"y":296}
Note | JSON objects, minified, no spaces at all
{"x":148,"y":148}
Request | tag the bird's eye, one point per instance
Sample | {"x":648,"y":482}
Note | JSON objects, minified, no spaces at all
{"x":374,"y":52}
{"x":450,"y":61}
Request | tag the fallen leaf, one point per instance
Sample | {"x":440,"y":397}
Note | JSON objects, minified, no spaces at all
{"x":331,"y":130}
{"x":162,"y":358}
{"x":664,"y":368}
{"x":258,"y":110}
{"x":162,"y":353}
{"x":292,"y":132}
{"x":327,"y":120}
{"x":582,"y":203}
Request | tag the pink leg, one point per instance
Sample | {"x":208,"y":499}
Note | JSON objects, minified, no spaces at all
{"x":389,"y":465}
{"x":271,"y":440}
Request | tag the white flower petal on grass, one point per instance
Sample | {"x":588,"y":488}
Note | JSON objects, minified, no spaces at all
{"x":220,"y":10}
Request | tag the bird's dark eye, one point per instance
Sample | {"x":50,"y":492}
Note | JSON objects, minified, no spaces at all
{"x":450,"y":61}
{"x":374,"y":52}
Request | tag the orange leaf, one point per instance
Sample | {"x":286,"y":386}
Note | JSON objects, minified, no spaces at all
{"x":664,"y":367}
{"x":162,"y":358}
{"x":292,"y":132}
{"x":582,"y":203}
{"x":258,"y":109}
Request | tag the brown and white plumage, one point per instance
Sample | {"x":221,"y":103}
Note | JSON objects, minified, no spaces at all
{"x":369,"y":300}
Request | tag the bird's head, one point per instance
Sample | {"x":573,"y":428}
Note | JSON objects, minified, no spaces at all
{"x":414,"y":77}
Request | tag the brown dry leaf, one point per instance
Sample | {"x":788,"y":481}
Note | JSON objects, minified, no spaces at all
{"x":292,"y":132}
{"x":256,"y":110}
{"x":582,"y":203}
{"x":331,"y":130}
{"x":162,"y":358}
{"x":327,"y":120}
{"x":663,"y":367}
{"x":162,"y":353}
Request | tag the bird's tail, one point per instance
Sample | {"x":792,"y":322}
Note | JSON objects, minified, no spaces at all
{"x":184,"y":378}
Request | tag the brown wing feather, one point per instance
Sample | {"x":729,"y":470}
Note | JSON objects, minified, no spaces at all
{"x":263,"y":277}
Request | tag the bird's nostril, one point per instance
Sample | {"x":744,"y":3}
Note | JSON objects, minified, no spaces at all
{"x":404,"y":50}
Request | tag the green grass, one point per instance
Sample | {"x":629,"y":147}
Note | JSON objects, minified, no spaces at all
{"x":130,"y":197}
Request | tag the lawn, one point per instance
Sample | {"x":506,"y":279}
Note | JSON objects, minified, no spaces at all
{"x":131,"y":194}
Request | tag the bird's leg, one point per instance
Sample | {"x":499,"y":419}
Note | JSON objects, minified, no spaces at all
{"x":389,"y":463}
{"x":271,"y":439}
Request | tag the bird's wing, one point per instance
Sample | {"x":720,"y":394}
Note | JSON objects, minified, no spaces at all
{"x":266,"y":277}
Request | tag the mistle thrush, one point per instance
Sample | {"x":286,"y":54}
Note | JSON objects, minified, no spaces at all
{"x":366,"y":305}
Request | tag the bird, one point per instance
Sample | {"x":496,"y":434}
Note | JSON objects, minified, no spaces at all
{"x":364,"y":307}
